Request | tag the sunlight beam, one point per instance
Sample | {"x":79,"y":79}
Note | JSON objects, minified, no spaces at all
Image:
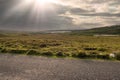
{"x":38,"y":9}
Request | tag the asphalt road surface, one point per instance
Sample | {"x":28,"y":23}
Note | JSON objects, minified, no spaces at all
{"x":42,"y":68}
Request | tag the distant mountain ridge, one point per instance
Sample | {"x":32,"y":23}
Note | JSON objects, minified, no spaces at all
{"x":110,"y":30}
{"x":114,"y":30}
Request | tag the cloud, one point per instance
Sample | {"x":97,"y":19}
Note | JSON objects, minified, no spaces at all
{"x":71,"y":14}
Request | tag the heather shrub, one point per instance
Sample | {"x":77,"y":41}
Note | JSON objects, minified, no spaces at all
{"x":48,"y":53}
{"x":33,"y":52}
{"x":17,"y":51}
{"x":61,"y":54}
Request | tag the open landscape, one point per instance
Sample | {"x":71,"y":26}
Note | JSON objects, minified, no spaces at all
{"x":62,"y":45}
{"x":59,"y":39}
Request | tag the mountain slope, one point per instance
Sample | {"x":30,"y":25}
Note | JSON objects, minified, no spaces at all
{"x":115,"y":30}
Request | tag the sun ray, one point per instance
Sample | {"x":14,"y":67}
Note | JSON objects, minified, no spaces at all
{"x":38,"y":9}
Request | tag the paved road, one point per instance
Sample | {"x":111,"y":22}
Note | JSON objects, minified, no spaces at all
{"x":42,"y":68}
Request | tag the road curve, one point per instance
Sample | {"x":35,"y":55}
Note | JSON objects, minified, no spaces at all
{"x":16,"y":67}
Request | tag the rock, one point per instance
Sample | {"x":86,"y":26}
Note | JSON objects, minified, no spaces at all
{"x":112,"y":55}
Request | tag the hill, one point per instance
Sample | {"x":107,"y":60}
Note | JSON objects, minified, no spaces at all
{"x":107,"y":30}
{"x":111,"y":30}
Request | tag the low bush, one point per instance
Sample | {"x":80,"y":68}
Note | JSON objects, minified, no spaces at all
{"x":92,"y":54}
{"x":4,"y":50}
{"x":17,"y":51}
{"x":43,"y":45}
{"x":67,"y":54}
{"x":55,"y":44}
{"x":33,"y":52}
{"x":118,"y":56}
{"x":0,"y":48}
{"x":102,"y":49}
{"x":48,"y":53}
{"x":85,"y":55}
{"x":90,"y":48}
{"x":82,"y":55}
{"x":74,"y":54}
{"x":103,"y":56}
{"x":61,"y":54}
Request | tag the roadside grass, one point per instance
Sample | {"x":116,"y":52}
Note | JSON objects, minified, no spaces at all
{"x":118,"y":56}
{"x":59,"y":45}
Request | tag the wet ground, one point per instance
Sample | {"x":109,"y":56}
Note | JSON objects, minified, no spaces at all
{"x":16,"y":67}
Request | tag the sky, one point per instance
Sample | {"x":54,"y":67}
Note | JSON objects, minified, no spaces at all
{"x":38,"y":15}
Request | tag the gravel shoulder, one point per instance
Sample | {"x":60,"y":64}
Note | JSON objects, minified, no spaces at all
{"x":20,"y":67}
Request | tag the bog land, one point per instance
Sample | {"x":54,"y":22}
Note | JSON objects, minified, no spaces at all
{"x":61,"y":45}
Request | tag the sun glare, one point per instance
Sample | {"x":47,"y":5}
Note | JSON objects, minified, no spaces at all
{"x":38,"y":8}
{"x":45,"y":2}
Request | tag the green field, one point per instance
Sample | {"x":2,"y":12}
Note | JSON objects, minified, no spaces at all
{"x":61,"y":45}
